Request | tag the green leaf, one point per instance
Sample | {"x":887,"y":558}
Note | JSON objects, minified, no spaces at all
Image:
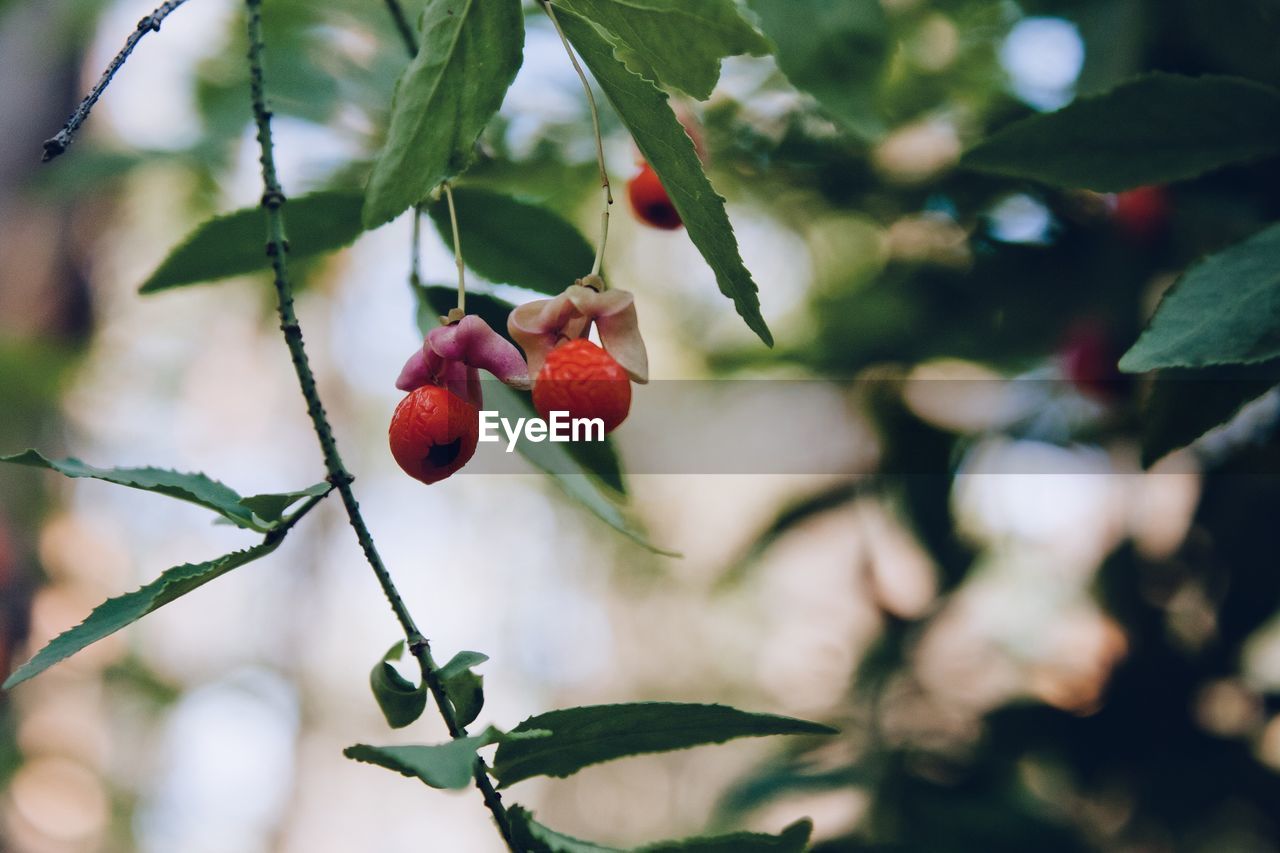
{"x":1151,"y":130}
{"x":116,"y":613}
{"x":1223,"y":310}
{"x":589,"y":735}
{"x":664,"y":143}
{"x":533,"y":837}
{"x":794,"y":776}
{"x":460,"y":663}
{"x":234,"y":244}
{"x":601,"y":459}
{"x":194,"y":488}
{"x":675,"y":42}
{"x":514,"y":242}
{"x":464,"y":688}
{"x":470,"y":52}
{"x":837,"y":52}
{"x":448,"y":765}
{"x":1185,"y":404}
{"x":271,"y":507}
{"x":466,"y":693}
{"x":400,"y":700}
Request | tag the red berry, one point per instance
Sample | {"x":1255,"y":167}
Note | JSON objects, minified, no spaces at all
{"x":580,"y":378}
{"x":433,"y":433}
{"x":1089,"y":360}
{"x":1142,"y":214}
{"x":650,"y":201}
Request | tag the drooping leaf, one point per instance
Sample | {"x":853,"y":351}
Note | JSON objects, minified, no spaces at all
{"x":836,"y":52}
{"x":536,"y":838}
{"x":793,"y":776}
{"x":1185,"y":404}
{"x":464,"y":687}
{"x":664,"y":143}
{"x":194,"y":488}
{"x":1151,"y":130}
{"x":788,"y":519}
{"x":234,"y":244}
{"x":400,"y":700}
{"x":116,"y":613}
{"x":601,"y":459}
{"x":533,"y":837}
{"x":1223,"y":310}
{"x":593,"y":734}
{"x":448,"y":765}
{"x":675,"y":42}
{"x":470,"y":52}
{"x":554,"y":459}
{"x":513,"y":242}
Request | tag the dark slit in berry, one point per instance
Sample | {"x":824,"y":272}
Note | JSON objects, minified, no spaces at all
{"x":662,"y":215}
{"x":443,"y":455}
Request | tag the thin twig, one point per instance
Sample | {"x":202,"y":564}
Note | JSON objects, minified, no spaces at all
{"x":595,"y":126}
{"x":277,"y":248}
{"x":457,"y":250}
{"x":59,"y":142}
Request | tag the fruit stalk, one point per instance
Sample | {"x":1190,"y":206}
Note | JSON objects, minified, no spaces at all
{"x":415,"y":251}
{"x":273,"y":200}
{"x":457,"y":253}
{"x":403,"y":27}
{"x":595,"y":128}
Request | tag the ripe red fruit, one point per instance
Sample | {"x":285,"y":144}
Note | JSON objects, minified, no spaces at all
{"x":1142,"y":214}
{"x":1089,"y":360}
{"x":580,"y":378}
{"x":433,"y":433}
{"x":650,"y":201}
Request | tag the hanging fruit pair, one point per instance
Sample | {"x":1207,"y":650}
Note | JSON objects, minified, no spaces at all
{"x":435,"y":429}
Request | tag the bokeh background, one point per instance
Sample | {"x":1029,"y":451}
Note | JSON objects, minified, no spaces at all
{"x":1029,"y":640}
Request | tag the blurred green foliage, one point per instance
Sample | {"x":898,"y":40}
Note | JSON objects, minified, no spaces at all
{"x":966,"y":290}
{"x":916,"y":259}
